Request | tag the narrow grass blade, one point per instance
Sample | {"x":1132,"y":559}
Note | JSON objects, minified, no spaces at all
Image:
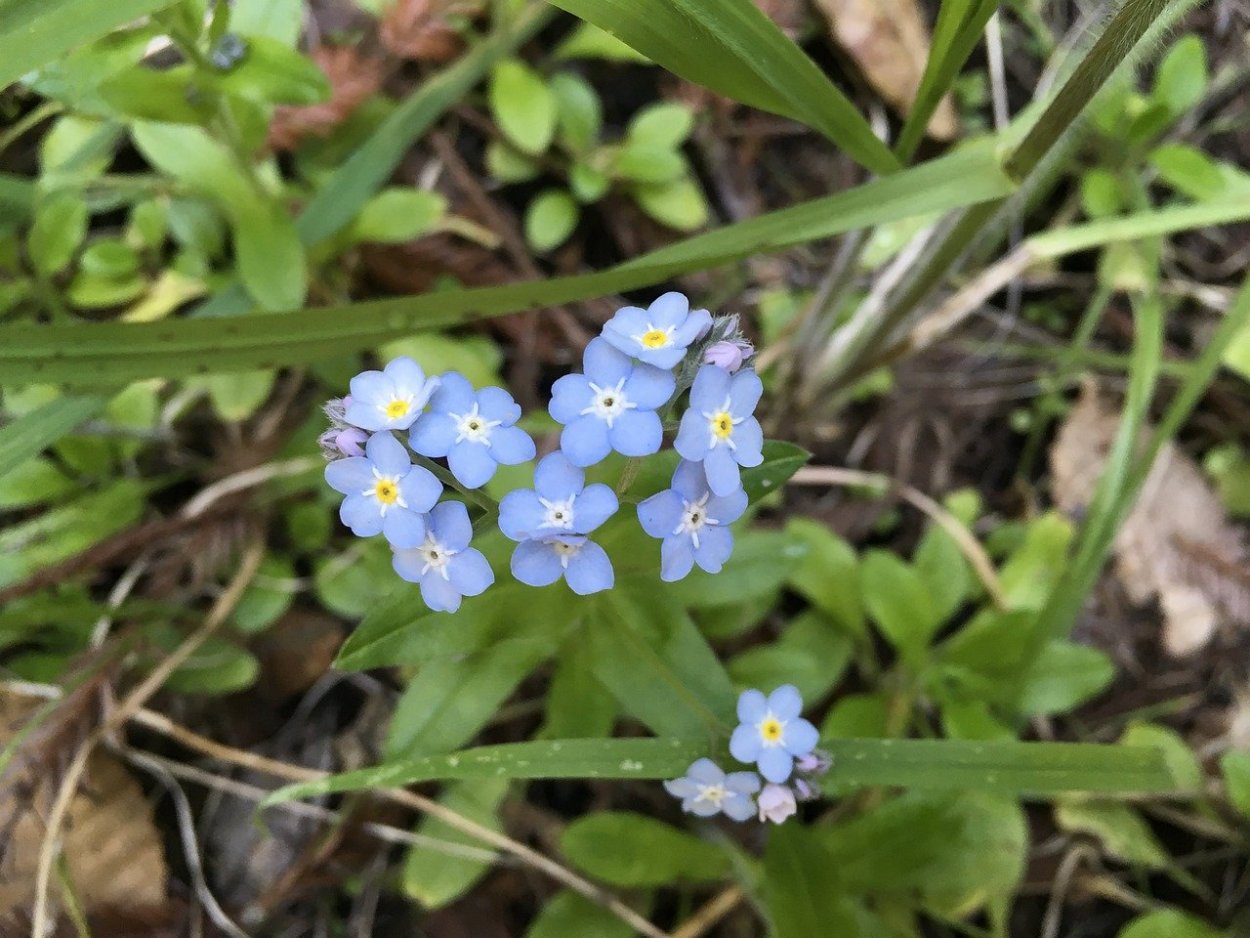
{"x":1161,"y":222}
{"x":111,"y":353}
{"x":731,"y":47}
{"x":28,"y":436}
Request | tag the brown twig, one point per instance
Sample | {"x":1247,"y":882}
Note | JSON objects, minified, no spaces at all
{"x":711,"y":912}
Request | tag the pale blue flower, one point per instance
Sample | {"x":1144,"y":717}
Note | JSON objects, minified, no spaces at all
{"x":385,"y":492}
{"x":390,"y":399}
{"x":771,"y":733}
{"x":473,"y":429}
{"x":610,"y":407}
{"x":692,"y":523}
{"x":444,"y":565}
{"x":559,"y":503}
{"x":582,"y":563}
{"x":660,"y":334}
{"x":705,"y":791}
{"x":776,"y":803}
{"x":719,"y":429}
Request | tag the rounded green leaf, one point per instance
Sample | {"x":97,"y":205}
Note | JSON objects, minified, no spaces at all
{"x":272,"y":73}
{"x":587,"y":184}
{"x":633,"y":850}
{"x":678,"y":204}
{"x":59,"y":228}
{"x":642,"y":162}
{"x":523,"y":105}
{"x":397,"y":215}
{"x":550,"y":219}
{"x":237,"y":396}
{"x":580,"y":116}
{"x":1168,"y":923}
{"x":1182,"y":77}
{"x":504,"y":163}
{"x":90,"y":291}
{"x":113,"y":259}
{"x":661,"y":125}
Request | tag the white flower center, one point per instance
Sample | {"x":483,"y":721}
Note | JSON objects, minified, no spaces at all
{"x":772,"y":731}
{"x":474,"y":427}
{"x":565,"y":552}
{"x":714,"y":793}
{"x":436,"y":557}
{"x":720,"y":424}
{"x":385,"y":491}
{"x":653,"y":337}
{"x":559,"y":513}
{"x":693,"y":518}
{"x":609,"y":403}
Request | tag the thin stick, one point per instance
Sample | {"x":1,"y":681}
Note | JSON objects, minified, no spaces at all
{"x":711,"y":912}
{"x":968,"y":545}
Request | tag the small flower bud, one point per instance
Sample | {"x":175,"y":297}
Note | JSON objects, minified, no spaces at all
{"x":336,"y":410}
{"x":338,"y":442}
{"x":816,"y":762}
{"x":776,"y":803}
{"x":805,"y":790}
{"x":728,"y":354}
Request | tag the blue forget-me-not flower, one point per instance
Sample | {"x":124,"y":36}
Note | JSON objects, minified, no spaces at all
{"x":552,"y":520}
{"x":719,"y":429}
{"x":444,"y":565}
{"x":771,"y":733}
{"x":660,"y":334}
{"x":705,"y":790}
{"x":692,"y":522}
{"x":611,"y":406}
{"x":385,"y":492}
{"x":473,"y":429}
{"x":390,"y":399}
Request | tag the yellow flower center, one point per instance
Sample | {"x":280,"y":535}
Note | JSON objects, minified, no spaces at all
{"x":655,"y":338}
{"x":723,"y":425}
{"x":396,"y":409}
{"x":771,"y":730}
{"x":386,"y":491}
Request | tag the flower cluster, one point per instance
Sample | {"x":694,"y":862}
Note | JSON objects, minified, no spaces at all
{"x":631,"y":375}
{"x":773,"y":736}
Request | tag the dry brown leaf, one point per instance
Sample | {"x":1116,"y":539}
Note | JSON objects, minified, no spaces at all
{"x":354,"y":78}
{"x":1176,"y":545}
{"x":421,"y":30}
{"x":113,"y":851}
{"x":789,"y":15}
{"x":889,"y":40}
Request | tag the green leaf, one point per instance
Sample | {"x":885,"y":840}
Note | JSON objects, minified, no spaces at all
{"x":899,"y":602}
{"x":270,"y":257}
{"x":217,"y":667}
{"x":237,"y":396}
{"x":802,"y":888}
{"x":1123,"y":832}
{"x":267,"y":597}
{"x":828,"y":576}
{"x":31,"y":434}
{"x":1181,"y":78}
{"x":113,"y":353}
{"x":177,"y":95}
{"x":781,"y":461}
{"x":397,"y":215}
{"x":587,"y":184}
{"x":757,"y":568}
{"x":1062,"y":678}
{"x":635,"y":850}
{"x":550,"y":219}
{"x":33,"y":482}
{"x":588,"y":41}
{"x":436,"y":877}
{"x":507,"y":164}
{"x":275,"y":19}
{"x":812,"y":654}
{"x":33,"y":32}
{"x":1236,"y":768}
{"x":662,"y":126}
{"x":59,"y":228}
{"x":560,"y":758}
{"x":273,"y":73}
{"x":944,"y":570}
{"x":567,"y":913}
{"x":680,"y":204}
{"x":350,"y":586}
{"x":1188,"y":170}
{"x":578,"y":706}
{"x":1008,"y":767}
{"x":731,"y":47}
{"x":524,"y":106}
{"x":857,"y":716}
{"x":110,"y":258}
{"x":645,"y":163}
{"x":580,"y":115}
{"x":1169,"y":923}
{"x":1182,"y":763}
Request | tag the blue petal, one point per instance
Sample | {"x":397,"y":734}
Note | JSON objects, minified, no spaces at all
{"x":570,"y":395}
{"x":585,"y":441}
{"x":637,"y":433}
{"x":535,"y":563}
{"x":471,"y":463}
{"x":589,"y":570}
{"x":749,"y":440}
{"x":407,"y":375}
{"x":388,"y":454}
{"x":801,"y":737}
{"x":595,"y":505}
{"x":697,"y":323}
{"x":752,"y":707}
{"x":711,"y":387}
{"x":664,"y":359}
{"x":350,"y":476}
{"x":650,"y":387}
{"x":361,"y":514}
{"x":557,"y":479}
{"x":669,"y":309}
{"x":371,"y":388}
{"x":438,"y":594}
{"x":497,"y":404}
{"x":690,"y":481}
{"x":511,"y":446}
{"x":745,"y":390}
{"x":619,"y":331}
{"x":738,"y":807}
{"x":701,"y":808}
{"x":420,"y":489}
{"x":521,"y":515}
{"x":722,"y":471}
{"x":786,"y":702}
{"x":454,"y":395}
{"x":449,"y":524}
{"x":403,"y":528}
{"x":705,"y":771}
{"x":776,"y":764}
{"x":470,"y":573}
{"x":726,"y":508}
{"x":693,"y":436}
{"x":408,"y":564}
{"x":743,"y":783}
{"x":660,"y":514}
{"x":744,"y":744}
{"x":676,"y":558}
{"x":715,"y":546}
{"x":681,"y":788}
{"x":605,"y":365}
{"x":364,"y":414}
{"x":432,"y":434}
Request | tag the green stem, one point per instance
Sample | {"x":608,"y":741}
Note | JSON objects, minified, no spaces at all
{"x":33,"y":119}
{"x":480,"y":499}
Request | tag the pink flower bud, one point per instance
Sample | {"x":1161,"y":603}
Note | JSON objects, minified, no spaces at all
{"x":728,"y":354}
{"x":776,"y":803}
